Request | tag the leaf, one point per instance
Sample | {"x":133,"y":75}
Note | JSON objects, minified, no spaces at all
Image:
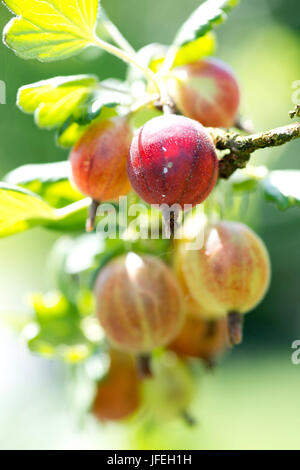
{"x":48,"y":180}
{"x":195,"y":50}
{"x":70,"y":218}
{"x":70,"y":133}
{"x":50,"y":30}
{"x":71,"y":261}
{"x":248,"y":179}
{"x":203,"y":20}
{"x":192,"y":52}
{"x":57,"y":331}
{"x":71,"y":104}
{"x":54,"y":101}
{"x":283,"y":188}
{"x":74,"y":128}
{"x":108,"y":95}
{"x":21,"y":210}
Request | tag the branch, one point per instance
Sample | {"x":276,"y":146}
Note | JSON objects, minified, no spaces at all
{"x":242,"y":146}
{"x":295,"y":112}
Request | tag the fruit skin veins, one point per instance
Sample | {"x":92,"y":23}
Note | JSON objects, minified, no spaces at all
{"x":118,"y":394}
{"x":98,"y":160}
{"x":206,"y":91}
{"x":172,"y":160}
{"x":231,"y":273}
{"x":139,"y":303}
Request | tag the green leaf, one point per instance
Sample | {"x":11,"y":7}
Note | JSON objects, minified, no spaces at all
{"x":203,"y":20}
{"x":191,"y":52}
{"x":283,"y":188}
{"x":54,"y":101}
{"x":195,"y":50}
{"x":71,"y":104}
{"x":108,"y":95}
{"x":72,"y":260}
{"x":70,"y":218}
{"x":50,"y":30}
{"x":48,"y":180}
{"x":248,"y":179}
{"x":74,"y":128}
{"x":21,"y":210}
{"x":57,"y":331}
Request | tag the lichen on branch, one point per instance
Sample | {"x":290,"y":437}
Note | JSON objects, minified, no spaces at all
{"x":240,"y":147}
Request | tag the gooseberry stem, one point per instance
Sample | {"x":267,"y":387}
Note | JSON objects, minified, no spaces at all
{"x":170,"y":222}
{"x":235,"y":327}
{"x":169,"y":60}
{"x":90,"y":223}
{"x":129,"y":58}
{"x":145,"y":101}
{"x":188,"y":419}
{"x":116,"y":34}
{"x":144,"y":366}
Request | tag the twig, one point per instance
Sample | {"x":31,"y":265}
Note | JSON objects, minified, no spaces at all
{"x":241,"y":147}
{"x":295,"y":112}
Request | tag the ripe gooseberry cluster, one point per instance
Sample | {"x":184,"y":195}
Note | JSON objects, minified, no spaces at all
{"x":158,"y":315}
{"x":171,"y":159}
{"x":195,"y":310}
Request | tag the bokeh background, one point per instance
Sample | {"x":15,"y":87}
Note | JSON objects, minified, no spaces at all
{"x":252,"y":400}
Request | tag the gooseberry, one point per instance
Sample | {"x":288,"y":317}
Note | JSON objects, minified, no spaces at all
{"x":200,"y":338}
{"x":98,"y":160}
{"x":206,"y":91}
{"x":118,"y":394}
{"x":172,"y":160}
{"x":229,"y":275}
{"x":139,"y":303}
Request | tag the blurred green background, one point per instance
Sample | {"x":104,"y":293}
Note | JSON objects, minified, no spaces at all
{"x":252,"y":400}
